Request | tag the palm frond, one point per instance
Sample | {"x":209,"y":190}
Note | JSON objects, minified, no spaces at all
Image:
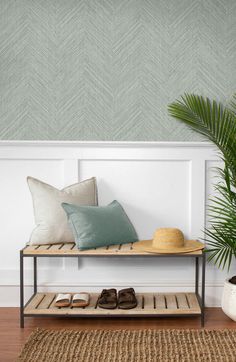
{"x":212,"y":120}
{"x":221,"y":235}
{"x":232,"y":105}
{"x":218,"y":124}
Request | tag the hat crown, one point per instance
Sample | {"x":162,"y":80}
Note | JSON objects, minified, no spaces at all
{"x":167,"y":238}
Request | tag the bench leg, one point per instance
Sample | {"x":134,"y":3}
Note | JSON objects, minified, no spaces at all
{"x":21,"y":289}
{"x":35,"y":274}
{"x":196,"y":276}
{"x":203,"y":289}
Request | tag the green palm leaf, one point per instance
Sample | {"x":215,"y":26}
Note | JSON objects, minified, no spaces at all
{"x":213,"y":121}
{"x":218,"y":124}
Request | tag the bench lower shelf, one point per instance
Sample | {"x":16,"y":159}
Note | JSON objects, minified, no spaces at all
{"x":148,"y":304}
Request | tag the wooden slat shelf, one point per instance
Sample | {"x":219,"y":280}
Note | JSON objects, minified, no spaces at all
{"x":71,"y":249}
{"x":148,"y":304}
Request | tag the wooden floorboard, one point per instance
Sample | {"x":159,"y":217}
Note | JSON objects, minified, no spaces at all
{"x":12,"y":338}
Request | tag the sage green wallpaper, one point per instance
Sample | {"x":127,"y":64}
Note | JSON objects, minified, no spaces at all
{"x":106,"y":69}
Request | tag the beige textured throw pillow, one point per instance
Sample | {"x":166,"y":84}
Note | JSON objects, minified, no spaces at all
{"x":50,"y":218}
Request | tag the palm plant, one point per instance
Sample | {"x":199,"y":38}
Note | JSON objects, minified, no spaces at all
{"x":218,"y":124}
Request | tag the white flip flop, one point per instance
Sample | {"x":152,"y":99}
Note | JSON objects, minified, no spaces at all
{"x":63,"y":300}
{"x":80,"y":300}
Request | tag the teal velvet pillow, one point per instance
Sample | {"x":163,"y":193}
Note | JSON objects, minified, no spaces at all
{"x":96,"y":226}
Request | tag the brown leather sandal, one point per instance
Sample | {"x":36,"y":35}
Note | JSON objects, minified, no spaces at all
{"x":127,"y":299}
{"x":108,"y":299}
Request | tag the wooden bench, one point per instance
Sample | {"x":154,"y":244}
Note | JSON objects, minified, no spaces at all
{"x":149,"y":304}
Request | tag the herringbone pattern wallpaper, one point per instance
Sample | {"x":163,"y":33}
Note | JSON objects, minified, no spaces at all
{"x":106,"y":69}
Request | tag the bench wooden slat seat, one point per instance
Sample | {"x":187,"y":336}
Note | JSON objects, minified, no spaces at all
{"x":71,"y":249}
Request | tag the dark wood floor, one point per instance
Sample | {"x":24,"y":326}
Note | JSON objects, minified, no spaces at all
{"x":12,"y":338}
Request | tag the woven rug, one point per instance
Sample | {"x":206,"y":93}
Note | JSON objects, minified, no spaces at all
{"x":130,"y":346}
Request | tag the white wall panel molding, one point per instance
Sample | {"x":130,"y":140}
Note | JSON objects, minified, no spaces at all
{"x":159,"y":184}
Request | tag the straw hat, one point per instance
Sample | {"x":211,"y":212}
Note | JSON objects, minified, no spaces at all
{"x":168,"y":241}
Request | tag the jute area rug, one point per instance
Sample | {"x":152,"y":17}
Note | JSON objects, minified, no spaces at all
{"x":130,"y":346}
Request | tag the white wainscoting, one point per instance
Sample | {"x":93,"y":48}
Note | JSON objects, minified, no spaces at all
{"x":159,"y":184}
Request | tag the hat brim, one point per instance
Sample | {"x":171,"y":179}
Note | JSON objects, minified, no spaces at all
{"x":189,"y":246}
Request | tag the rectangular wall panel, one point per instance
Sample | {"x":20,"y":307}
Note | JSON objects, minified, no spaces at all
{"x":16,"y":211}
{"x":153,"y":193}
